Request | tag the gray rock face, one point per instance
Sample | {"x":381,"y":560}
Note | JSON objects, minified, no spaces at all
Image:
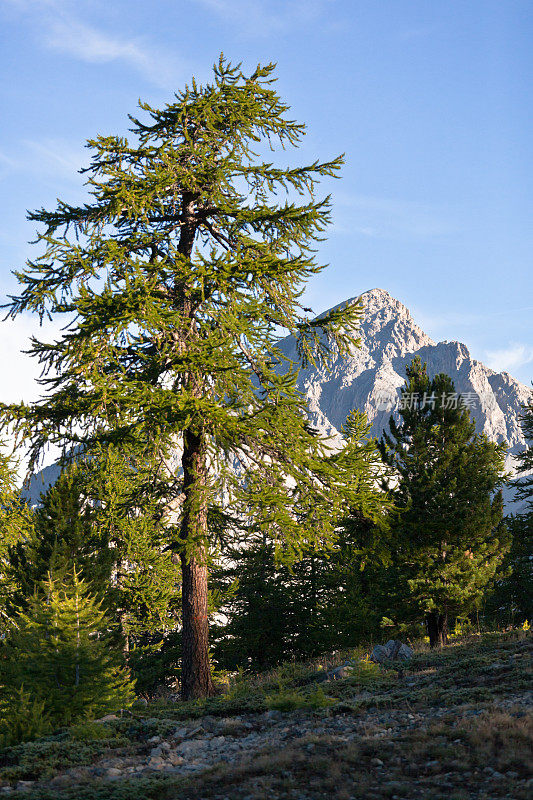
{"x":371,"y":376}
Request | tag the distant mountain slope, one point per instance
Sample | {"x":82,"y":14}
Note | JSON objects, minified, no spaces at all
{"x":371,"y":376}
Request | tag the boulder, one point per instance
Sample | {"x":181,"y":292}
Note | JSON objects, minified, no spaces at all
{"x":337,"y":674}
{"x":393,"y":650}
{"x":379,"y":654}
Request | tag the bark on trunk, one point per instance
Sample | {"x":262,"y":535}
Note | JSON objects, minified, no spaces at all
{"x":195,"y":671}
{"x":437,"y":627}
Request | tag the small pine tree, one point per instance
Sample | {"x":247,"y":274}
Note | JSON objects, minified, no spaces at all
{"x":524,"y":485}
{"x":448,"y":537}
{"x":15,"y":526}
{"x":63,"y":536}
{"x":86,"y":521}
{"x":58,"y":652}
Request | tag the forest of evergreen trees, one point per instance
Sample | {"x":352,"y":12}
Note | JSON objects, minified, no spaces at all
{"x":200,"y":523}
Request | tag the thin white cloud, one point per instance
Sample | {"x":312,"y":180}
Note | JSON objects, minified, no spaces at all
{"x":267,"y":17}
{"x":510,"y":358}
{"x":21,"y":372}
{"x":55,"y":158}
{"x":60,"y":29}
{"x":453,"y":319}
{"x":88,"y":43}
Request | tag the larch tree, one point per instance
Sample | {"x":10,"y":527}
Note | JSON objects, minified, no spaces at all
{"x":16,"y":526}
{"x":448,"y":539}
{"x":176,"y":280}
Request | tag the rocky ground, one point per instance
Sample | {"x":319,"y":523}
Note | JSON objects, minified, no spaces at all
{"x":455,"y":724}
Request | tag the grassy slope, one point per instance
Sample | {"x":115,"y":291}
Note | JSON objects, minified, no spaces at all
{"x":457,"y":725}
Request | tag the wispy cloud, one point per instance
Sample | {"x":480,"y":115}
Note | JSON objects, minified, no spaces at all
{"x":389,"y":218}
{"x":59,"y":28}
{"x":95,"y":46}
{"x":56,"y":156}
{"x":266,"y":17}
{"x":447,"y":320}
{"x":510,"y":358}
{"x":49,"y":157}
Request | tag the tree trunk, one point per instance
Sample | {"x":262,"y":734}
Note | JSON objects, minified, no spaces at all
{"x":195,"y":669}
{"x":437,"y":627}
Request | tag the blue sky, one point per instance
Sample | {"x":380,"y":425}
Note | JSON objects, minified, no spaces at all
{"x":431,"y":102}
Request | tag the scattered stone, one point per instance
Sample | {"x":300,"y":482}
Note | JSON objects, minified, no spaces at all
{"x":393,"y":650}
{"x":379,"y":654}
{"x":157,"y":763}
{"x":190,"y":748}
{"x":113,"y":772}
{"x":337,"y":674}
{"x":216,"y":741}
{"x":376,"y":762}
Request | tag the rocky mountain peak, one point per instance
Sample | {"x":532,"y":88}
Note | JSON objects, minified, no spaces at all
{"x":371,"y":376}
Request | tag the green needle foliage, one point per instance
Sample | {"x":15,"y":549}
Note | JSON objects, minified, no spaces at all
{"x":16,"y":525}
{"x":448,"y":538}
{"x":278,"y":611}
{"x":86,"y":521}
{"x":524,"y":485}
{"x":62,"y":536}
{"x":58,"y":652}
{"x":176,"y":280}
{"x":514,"y":594}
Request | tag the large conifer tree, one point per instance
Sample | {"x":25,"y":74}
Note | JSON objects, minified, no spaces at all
{"x":178,"y":276}
{"x":448,"y":539}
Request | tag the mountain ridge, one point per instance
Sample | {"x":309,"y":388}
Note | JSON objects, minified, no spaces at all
{"x":371,"y":376}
